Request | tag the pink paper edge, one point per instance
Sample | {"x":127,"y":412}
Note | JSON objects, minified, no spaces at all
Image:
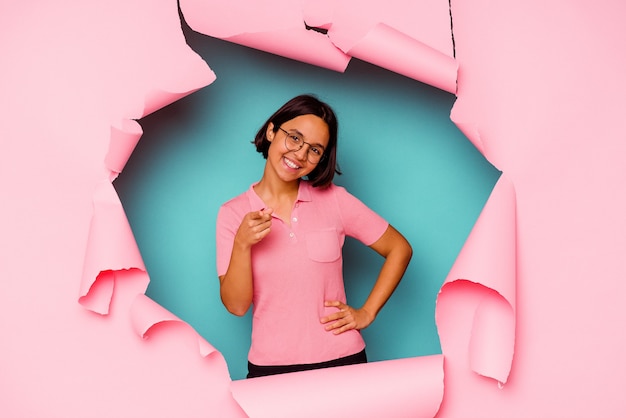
{"x":146,"y":315}
{"x":109,"y":227}
{"x":396,"y":391}
{"x":500,"y":279}
{"x":393,"y":50}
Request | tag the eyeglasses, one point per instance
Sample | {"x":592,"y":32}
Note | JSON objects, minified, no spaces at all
{"x":295,"y":142}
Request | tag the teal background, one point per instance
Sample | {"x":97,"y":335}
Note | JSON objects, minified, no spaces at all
{"x":399,"y":153}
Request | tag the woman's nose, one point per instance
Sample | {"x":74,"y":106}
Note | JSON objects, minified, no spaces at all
{"x":302,"y":152}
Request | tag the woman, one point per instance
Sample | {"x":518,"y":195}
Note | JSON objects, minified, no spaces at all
{"x":279,"y":248}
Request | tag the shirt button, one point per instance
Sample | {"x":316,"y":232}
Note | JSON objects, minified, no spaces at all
{"x":295,"y":219}
{"x":291,"y":234}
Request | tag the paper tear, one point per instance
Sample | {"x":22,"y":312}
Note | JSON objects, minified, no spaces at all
{"x":411,"y":387}
{"x":281,"y":32}
{"x":330,"y":37}
{"x":158,"y":98}
{"x":472,"y":133}
{"x":492,"y":342}
{"x":98,"y":299}
{"x":487,"y":260}
{"x":396,"y":51}
{"x":318,"y":13}
{"x":123,"y":142}
{"x":110,"y":246}
{"x":146,"y":314}
{"x":452,"y":29}
{"x":322,"y":30}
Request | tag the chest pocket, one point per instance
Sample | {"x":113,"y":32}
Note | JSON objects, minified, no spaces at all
{"x":323,"y":246}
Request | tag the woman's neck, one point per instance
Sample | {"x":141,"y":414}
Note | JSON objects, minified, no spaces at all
{"x":277,"y":189}
{"x":278,"y":195}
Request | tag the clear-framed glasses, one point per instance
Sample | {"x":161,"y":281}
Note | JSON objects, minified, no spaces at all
{"x":295,"y":142}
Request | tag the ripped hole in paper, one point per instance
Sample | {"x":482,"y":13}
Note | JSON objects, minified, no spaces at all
{"x":399,"y":152}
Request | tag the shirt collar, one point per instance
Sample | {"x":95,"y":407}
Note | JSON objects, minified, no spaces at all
{"x":256,"y":203}
{"x":304,"y":191}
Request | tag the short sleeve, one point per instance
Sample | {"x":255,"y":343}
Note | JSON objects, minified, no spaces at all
{"x":227,"y":224}
{"x":359,"y":220}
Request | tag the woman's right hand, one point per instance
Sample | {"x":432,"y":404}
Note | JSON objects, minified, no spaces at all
{"x":236,"y":285}
{"x":254,"y":227}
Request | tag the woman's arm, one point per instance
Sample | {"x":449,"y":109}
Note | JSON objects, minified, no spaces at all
{"x":397,"y":252}
{"x":236,"y":285}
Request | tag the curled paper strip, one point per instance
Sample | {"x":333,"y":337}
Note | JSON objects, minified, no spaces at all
{"x":411,"y":387}
{"x":493,"y":338}
{"x":146,"y":314}
{"x":326,"y":34}
{"x":391,"y":49}
{"x":111,"y":246}
{"x":277,"y":27}
{"x":486,"y":263}
{"x":349,"y":21}
{"x":123,"y":142}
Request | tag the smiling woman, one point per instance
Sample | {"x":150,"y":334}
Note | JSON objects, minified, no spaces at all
{"x":269,"y":241}
{"x":398,"y":150}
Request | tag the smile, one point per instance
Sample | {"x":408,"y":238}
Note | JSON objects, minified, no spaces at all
{"x":291,"y":164}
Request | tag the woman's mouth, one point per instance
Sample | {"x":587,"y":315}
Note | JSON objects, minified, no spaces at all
{"x":291,"y":164}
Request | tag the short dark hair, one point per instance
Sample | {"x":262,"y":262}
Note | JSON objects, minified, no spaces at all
{"x":306,"y":104}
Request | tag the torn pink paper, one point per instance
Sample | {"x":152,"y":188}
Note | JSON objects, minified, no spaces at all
{"x":125,"y":137}
{"x":411,"y":387}
{"x":122,"y":145}
{"x":319,"y":14}
{"x":111,"y":246}
{"x":488,"y":259}
{"x":98,"y":296}
{"x":277,"y":27}
{"x":146,"y":314}
{"x":472,"y":133}
{"x":391,"y":49}
{"x":349,"y":21}
{"x":410,"y":38}
{"x":193,"y":78}
{"x":71,"y":71}
{"x":407,"y":37}
{"x":492,"y":344}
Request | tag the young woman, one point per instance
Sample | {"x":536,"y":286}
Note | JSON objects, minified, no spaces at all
{"x":279,"y":248}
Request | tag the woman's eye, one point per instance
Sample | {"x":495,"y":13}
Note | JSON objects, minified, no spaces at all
{"x":296,"y":139}
{"x":316,"y":151}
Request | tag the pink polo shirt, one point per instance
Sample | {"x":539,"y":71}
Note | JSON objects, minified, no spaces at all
{"x":296,"y":268}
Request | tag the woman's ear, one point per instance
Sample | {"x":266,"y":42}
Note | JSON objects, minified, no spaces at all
{"x":270,"y":132}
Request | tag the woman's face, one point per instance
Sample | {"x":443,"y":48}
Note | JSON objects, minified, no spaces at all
{"x":288,"y":162}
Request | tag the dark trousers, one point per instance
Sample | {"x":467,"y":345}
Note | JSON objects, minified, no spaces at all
{"x":258,"y":371}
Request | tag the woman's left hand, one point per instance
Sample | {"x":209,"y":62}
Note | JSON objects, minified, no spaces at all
{"x":346,"y":318}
